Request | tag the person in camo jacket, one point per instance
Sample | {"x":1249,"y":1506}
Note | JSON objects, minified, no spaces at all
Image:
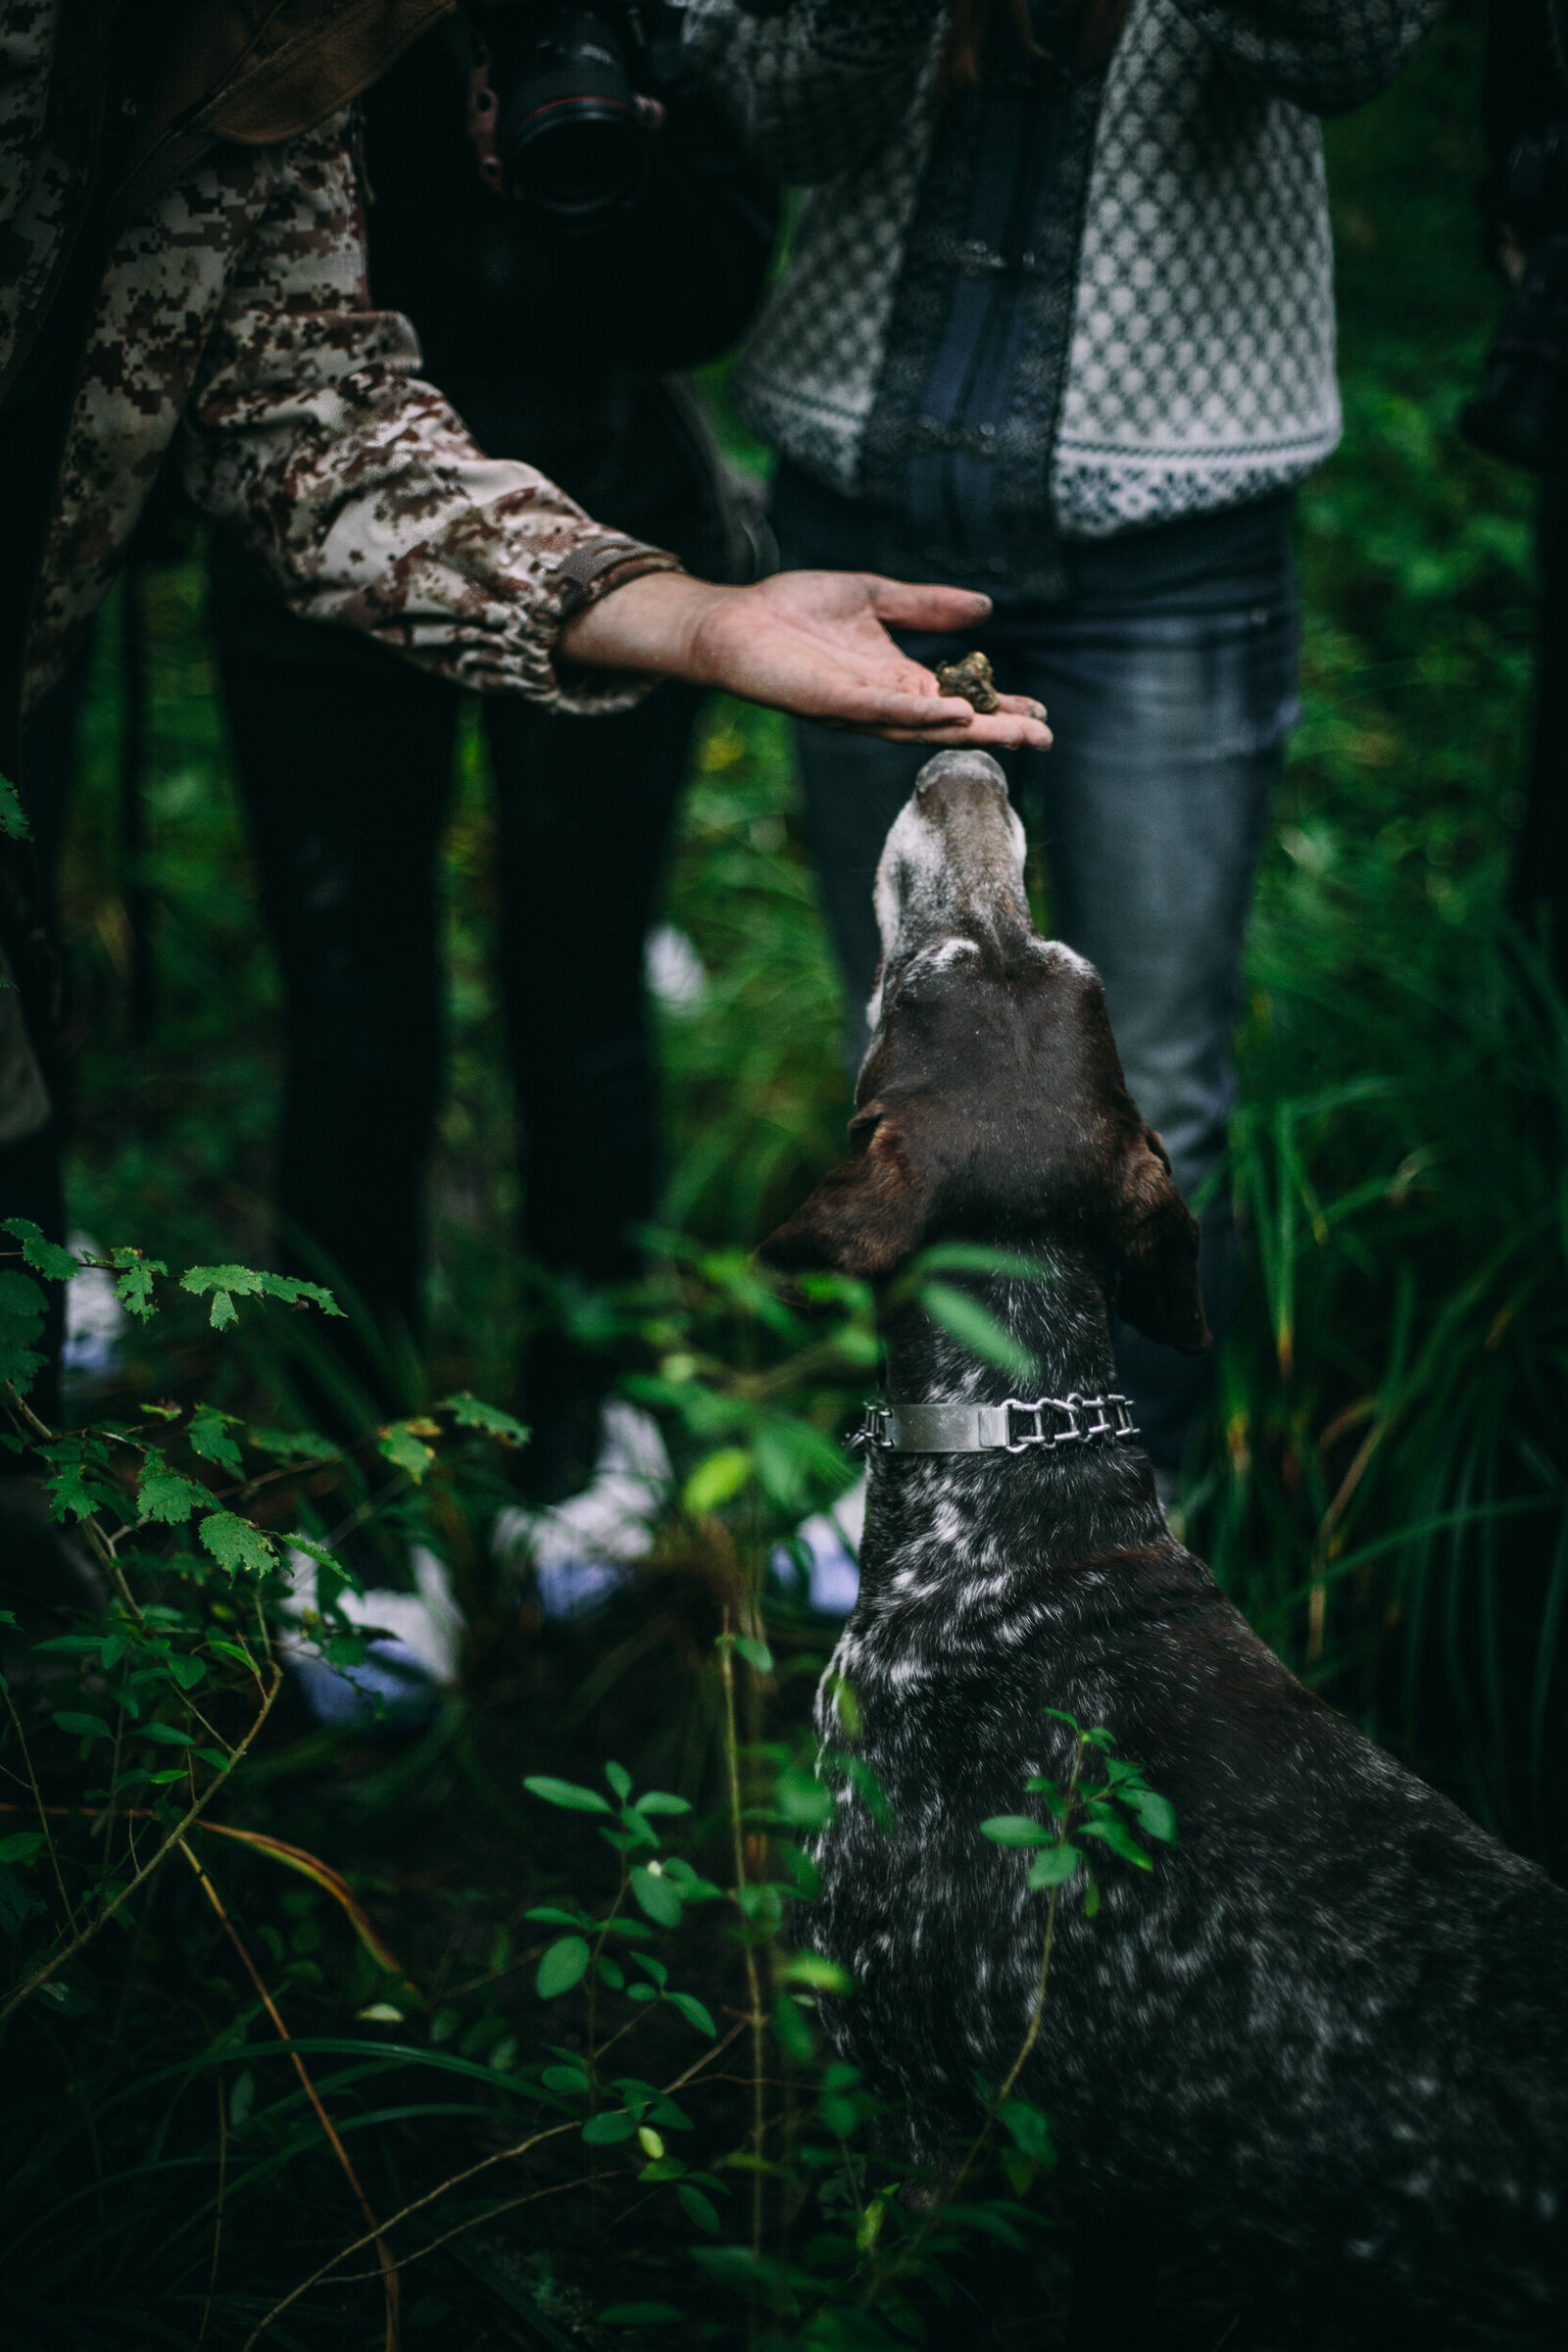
{"x":181,"y":274}
{"x":1058,"y":322}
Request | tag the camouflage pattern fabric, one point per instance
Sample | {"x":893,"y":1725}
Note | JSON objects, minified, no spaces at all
{"x":233,"y":327}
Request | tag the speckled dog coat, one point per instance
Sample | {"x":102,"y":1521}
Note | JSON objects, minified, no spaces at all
{"x":1323,"y":2040}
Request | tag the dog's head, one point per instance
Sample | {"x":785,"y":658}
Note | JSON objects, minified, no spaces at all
{"x":991,"y":1105}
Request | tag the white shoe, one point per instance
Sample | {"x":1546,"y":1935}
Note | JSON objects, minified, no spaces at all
{"x":407,"y":1666}
{"x":828,"y":1546}
{"x":581,"y":1550}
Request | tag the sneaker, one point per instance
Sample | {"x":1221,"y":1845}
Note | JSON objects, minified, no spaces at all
{"x":581,"y":1550}
{"x":825,"y":1556}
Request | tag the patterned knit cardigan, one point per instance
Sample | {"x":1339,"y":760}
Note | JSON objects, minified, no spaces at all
{"x":1199,"y":368}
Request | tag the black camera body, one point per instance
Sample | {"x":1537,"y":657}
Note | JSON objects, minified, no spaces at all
{"x":578,"y":98}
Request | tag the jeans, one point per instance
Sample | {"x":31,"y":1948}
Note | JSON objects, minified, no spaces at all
{"x":1169,"y":717}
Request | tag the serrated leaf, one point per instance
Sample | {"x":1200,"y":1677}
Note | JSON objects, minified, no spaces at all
{"x":168,"y":1495}
{"x":208,"y":1434}
{"x":717,"y":1478}
{"x":45,"y":1257}
{"x":976,"y":1328}
{"x":22,"y":1314}
{"x":235,"y":1544}
{"x":133,"y":1287}
{"x":1015,"y":1829}
{"x":72,"y":1496}
{"x":13,"y":816}
{"x":564,"y":1964}
{"x":398,"y":1444}
{"x":228,"y":1283}
{"x":656,"y":1896}
{"x":472,"y":1412}
{"x":567,"y":1794}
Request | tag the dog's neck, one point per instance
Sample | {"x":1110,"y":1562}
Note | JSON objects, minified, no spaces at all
{"x":987,"y":1518}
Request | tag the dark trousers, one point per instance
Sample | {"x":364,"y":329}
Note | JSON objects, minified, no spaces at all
{"x":345,"y":755}
{"x":1150,"y":808}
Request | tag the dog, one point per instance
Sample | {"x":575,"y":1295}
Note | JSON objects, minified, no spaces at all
{"x":1322,"y":2041}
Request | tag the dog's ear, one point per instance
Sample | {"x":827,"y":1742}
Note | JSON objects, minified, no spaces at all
{"x":1155,"y":1245}
{"x":865,"y":1217}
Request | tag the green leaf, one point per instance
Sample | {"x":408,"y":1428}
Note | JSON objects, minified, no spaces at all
{"x":85,"y":1727}
{"x":564,"y":1964}
{"x":228,"y":1283}
{"x":22,"y":1314}
{"x":976,"y":1328}
{"x":656,"y":1896}
{"x":168,"y":1735}
{"x":619,"y":1780}
{"x":208,"y":1433}
{"x":1030,"y":2128}
{"x":1156,"y":1814}
{"x":168,"y":1495}
{"x":567,"y":1794}
{"x":22,"y":1845}
{"x":568,"y":2081}
{"x":1120,"y":1840}
{"x":605,"y":2130}
{"x":697,"y":2208}
{"x":134,"y":1288}
{"x":400,"y":1445}
{"x":800,"y":1797}
{"x":71,"y":1495}
{"x":45,"y":1257}
{"x":235,"y":1544}
{"x":472,"y":1412}
{"x":716,"y":1480}
{"x":13,"y":818}
{"x":660,"y":1800}
{"x":757,"y":1654}
{"x":1054,"y":1866}
{"x":694,"y":2011}
{"x":1016,"y":1829}
{"x":551,"y":1915}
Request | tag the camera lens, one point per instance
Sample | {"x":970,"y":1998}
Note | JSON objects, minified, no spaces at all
{"x":571,"y":138}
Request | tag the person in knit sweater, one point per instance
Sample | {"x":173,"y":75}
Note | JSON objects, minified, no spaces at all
{"x":1058,"y":323}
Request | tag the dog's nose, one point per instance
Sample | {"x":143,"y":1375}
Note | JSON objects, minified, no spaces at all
{"x":949,"y":768}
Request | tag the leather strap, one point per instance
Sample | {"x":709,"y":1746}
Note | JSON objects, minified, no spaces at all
{"x":1016,"y":1425}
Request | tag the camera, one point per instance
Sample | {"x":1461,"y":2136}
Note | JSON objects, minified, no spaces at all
{"x":574,"y":119}
{"x":1521,"y":410}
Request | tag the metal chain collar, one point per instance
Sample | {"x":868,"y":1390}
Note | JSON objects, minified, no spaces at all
{"x":1017,"y":1425}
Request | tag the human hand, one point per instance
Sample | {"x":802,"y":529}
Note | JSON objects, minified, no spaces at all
{"x":814,"y":643}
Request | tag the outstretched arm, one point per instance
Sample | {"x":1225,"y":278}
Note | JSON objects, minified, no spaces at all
{"x":814,"y":643}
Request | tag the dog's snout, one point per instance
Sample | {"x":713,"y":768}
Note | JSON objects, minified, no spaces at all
{"x":960,"y":767}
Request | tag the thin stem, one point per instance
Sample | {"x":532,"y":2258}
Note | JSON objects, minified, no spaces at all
{"x":755,"y":2020}
{"x":36,"y":1793}
{"x":389,"y":2276}
{"x":50,"y":1968}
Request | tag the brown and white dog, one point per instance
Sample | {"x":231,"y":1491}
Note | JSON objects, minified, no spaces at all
{"x":1324,"y":2041}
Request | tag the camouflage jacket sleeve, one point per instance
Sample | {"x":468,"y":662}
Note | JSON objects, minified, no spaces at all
{"x":1324,"y":55}
{"x":820,"y":85}
{"x":308,"y":431}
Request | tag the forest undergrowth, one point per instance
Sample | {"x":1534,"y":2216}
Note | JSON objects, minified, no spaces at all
{"x":499,"y":2028}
